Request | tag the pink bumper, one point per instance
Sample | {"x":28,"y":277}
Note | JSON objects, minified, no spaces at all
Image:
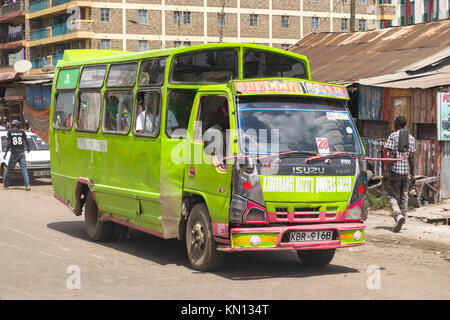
{"x":343,"y":237}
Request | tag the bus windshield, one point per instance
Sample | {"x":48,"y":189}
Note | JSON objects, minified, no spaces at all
{"x":272,"y":124}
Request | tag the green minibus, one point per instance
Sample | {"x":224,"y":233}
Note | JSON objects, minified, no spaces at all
{"x":228,"y":147}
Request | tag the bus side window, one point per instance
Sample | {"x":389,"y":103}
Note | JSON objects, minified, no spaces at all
{"x":117,"y":112}
{"x":152,"y":72}
{"x":179,"y":107}
{"x":147,"y":113}
{"x":64,"y":106}
{"x":88,"y":112}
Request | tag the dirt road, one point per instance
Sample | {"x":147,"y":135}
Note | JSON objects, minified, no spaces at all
{"x":45,"y":254}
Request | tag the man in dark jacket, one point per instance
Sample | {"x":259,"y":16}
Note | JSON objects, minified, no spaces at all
{"x":17,"y":138}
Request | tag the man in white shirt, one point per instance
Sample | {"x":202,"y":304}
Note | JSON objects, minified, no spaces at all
{"x":144,"y":121}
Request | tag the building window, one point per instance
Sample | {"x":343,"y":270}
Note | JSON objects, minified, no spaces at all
{"x":314,"y":23}
{"x":253,"y":20}
{"x":344,"y":24}
{"x":104,"y":15}
{"x":177,"y":44}
{"x":186,"y":17}
{"x":285,"y":46}
{"x":177,"y":17}
{"x":142,"y":16}
{"x":143,"y":45}
{"x":187,"y":44}
{"x":362,"y":2}
{"x":362,"y":25}
{"x":344,"y":1}
{"x":285,"y":21}
{"x":221,"y":19}
{"x":105,"y":44}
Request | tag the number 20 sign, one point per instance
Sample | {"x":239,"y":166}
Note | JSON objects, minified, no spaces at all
{"x":322,"y":145}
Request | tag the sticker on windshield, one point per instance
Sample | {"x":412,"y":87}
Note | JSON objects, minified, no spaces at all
{"x":322,"y":145}
{"x":337,"y":116}
{"x":349,"y":130}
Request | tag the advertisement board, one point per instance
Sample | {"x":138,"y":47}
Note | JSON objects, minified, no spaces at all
{"x":443,"y":116}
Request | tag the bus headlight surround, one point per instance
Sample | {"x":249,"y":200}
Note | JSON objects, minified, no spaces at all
{"x":237,"y":209}
{"x":354,"y":213}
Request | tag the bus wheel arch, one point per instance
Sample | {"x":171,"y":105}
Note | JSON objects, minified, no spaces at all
{"x":82,"y":189}
{"x":189,"y":200}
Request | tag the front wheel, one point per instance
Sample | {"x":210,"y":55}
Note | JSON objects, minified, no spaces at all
{"x":316,"y":258}
{"x":200,"y":245}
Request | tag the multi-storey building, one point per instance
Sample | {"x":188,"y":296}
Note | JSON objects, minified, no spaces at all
{"x":51,"y":26}
{"x":417,"y":11}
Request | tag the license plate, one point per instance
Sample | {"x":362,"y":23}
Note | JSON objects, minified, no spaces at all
{"x":311,"y":236}
{"x":40,"y":173}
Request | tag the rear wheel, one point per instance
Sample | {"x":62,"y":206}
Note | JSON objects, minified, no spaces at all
{"x":316,"y":258}
{"x":96,"y":230}
{"x":200,"y":245}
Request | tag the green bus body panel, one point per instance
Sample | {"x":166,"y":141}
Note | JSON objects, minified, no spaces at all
{"x":134,"y":178}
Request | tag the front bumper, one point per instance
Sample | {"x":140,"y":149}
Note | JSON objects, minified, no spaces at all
{"x":277,"y":238}
{"x":33,"y":171}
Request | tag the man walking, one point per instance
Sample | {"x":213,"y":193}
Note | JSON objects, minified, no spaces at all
{"x":17,"y":138}
{"x":398,"y":144}
{"x":4,"y":124}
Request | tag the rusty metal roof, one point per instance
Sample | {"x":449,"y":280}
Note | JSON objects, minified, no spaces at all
{"x":347,"y":57}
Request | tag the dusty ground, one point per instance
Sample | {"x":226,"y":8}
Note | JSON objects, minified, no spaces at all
{"x":41,"y":241}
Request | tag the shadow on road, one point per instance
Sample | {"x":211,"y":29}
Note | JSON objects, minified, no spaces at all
{"x":237,"y":266}
{"x":19,"y":182}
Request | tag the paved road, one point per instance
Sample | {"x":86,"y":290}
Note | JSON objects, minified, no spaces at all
{"x":43,"y":248}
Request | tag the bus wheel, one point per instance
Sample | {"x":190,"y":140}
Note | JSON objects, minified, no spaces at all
{"x":200,"y":245}
{"x":97,"y":230}
{"x":316,"y":258}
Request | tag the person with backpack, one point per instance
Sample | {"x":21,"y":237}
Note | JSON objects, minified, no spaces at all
{"x":400,"y":143}
{"x":17,"y":138}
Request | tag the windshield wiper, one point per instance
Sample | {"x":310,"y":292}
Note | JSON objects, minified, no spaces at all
{"x":295,"y":153}
{"x":320,"y":156}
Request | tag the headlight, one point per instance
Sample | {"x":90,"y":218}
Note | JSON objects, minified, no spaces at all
{"x":354,"y":213}
{"x":237,"y":209}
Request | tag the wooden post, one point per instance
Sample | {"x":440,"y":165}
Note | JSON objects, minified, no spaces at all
{"x":352,"y":15}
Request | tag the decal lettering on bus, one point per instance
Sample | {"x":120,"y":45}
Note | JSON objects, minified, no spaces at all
{"x":92,"y":144}
{"x":287,"y":86}
{"x":295,"y":184}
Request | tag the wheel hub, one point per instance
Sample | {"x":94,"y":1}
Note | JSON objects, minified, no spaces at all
{"x":198,"y":237}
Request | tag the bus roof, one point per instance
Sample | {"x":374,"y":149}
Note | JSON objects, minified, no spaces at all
{"x":78,"y":57}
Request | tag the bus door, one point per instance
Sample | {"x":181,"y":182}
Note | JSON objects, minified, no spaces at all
{"x":207,"y":174}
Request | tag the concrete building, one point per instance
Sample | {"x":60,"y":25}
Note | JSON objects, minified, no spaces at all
{"x":412,"y":11}
{"x":48,"y":27}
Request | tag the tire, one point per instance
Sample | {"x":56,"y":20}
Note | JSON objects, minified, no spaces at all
{"x":96,"y":230}
{"x":316,"y":258}
{"x":119,"y":232}
{"x":200,"y":246}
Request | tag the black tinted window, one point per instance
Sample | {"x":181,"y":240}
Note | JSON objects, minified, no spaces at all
{"x":260,"y":64}
{"x":218,"y":66}
{"x":152,"y":72}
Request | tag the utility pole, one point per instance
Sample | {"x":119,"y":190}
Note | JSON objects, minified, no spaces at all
{"x":352,"y":15}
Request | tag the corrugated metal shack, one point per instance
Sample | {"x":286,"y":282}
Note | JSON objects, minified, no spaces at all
{"x":391,"y":72}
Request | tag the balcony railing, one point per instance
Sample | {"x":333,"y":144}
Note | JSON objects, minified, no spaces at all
{"x":38,"y":34}
{"x":37,"y":5}
{"x":58,"y":2}
{"x":18,"y":6}
{"x":12,"y":37}
{"x":38,"y":63}
{"x":56,"y":58}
